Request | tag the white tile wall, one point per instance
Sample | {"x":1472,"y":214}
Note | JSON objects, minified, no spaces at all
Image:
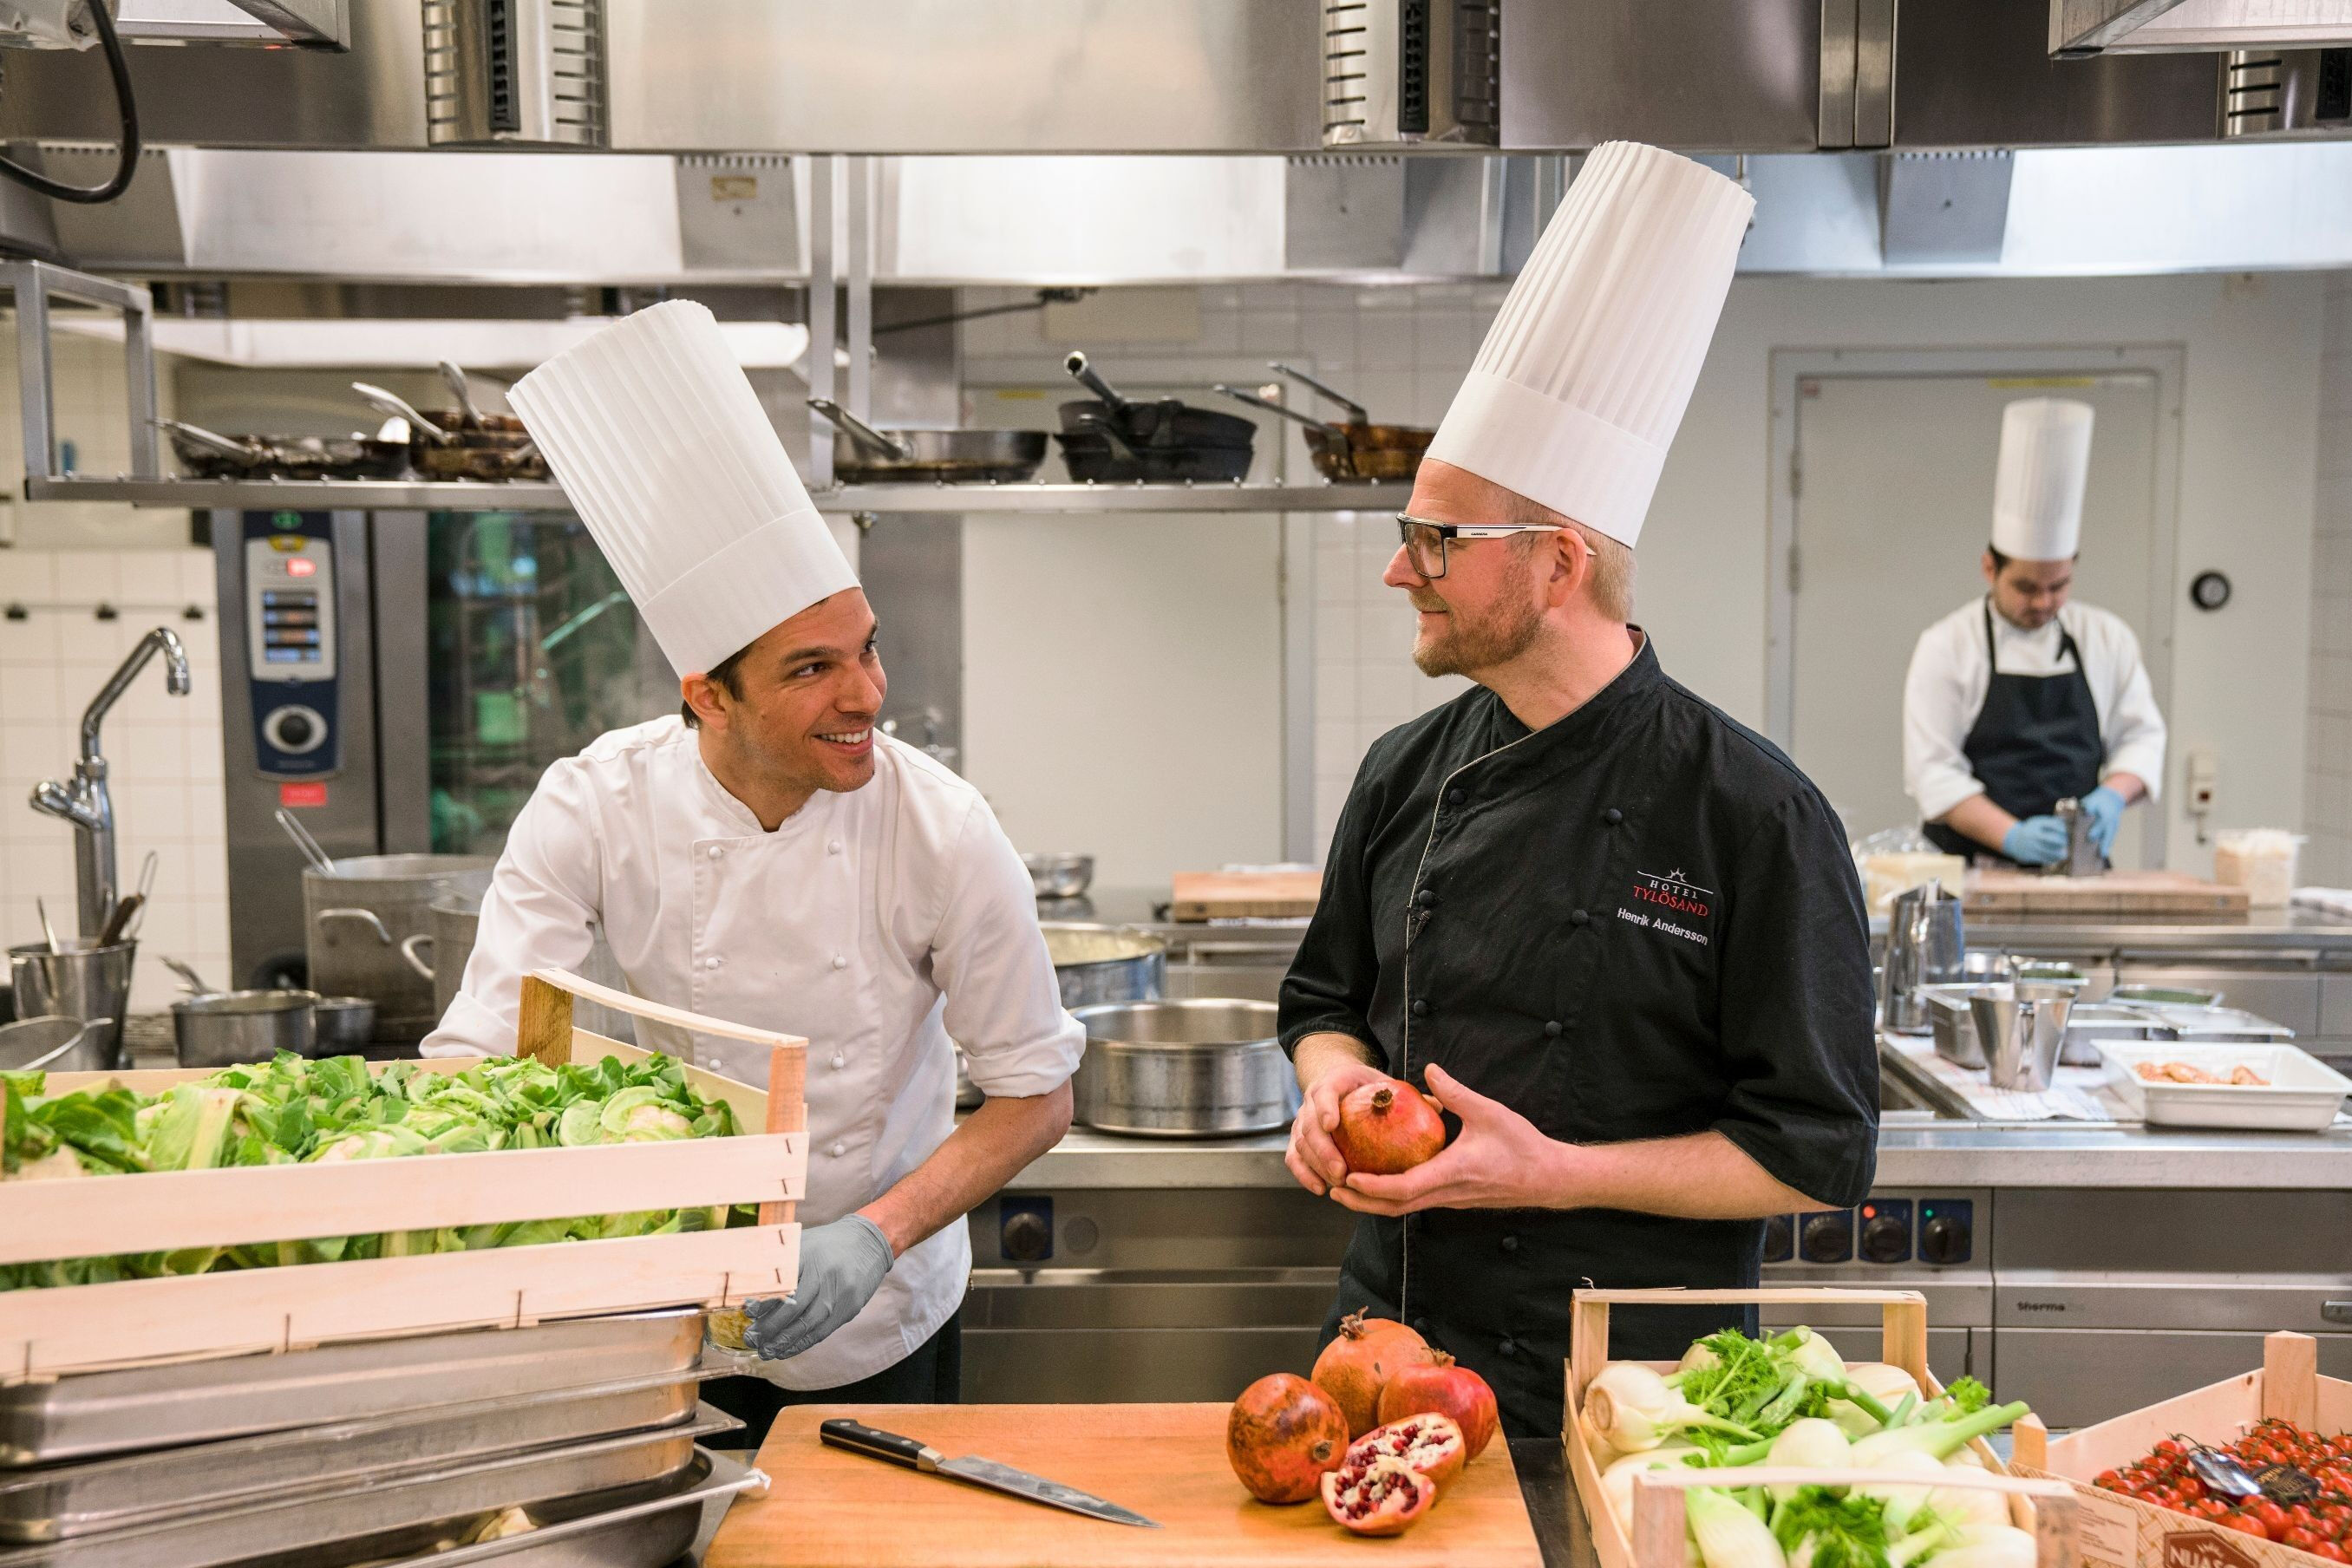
{"x":1401,"y":353}
{"x":163,"y":752}
{"x":2328,"y":776}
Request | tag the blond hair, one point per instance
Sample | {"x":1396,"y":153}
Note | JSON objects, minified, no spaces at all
{"x":1613,"y":562}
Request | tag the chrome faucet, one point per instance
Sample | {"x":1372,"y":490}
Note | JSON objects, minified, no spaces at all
{"x":84,"y":802}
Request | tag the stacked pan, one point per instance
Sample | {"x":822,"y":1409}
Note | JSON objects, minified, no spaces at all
{"x":378,"y":1451}
{"x":1109,"y":438}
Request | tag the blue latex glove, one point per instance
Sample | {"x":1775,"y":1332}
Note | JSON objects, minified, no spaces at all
{"x":2036,"y":841}
{"x":842,"y":1265}
{"x":2105,"y":808}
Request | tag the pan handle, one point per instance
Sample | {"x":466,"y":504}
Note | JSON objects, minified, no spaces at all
{"x":1085,"y":375}
{"x":408,"y":947}
{"x":368,"y":918}
{"x":862,"y":433}
{"x":212,"y":441}
{"x":1255,"y":401}
{"x":391,"y":403}
{"x":1357,"y":413}
{"x":1109,"y":430}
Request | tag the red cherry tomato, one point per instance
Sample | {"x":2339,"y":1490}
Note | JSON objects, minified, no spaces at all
{"x":2300,"y":1539}
{"x":2244,"y":1522}
{"x":2273,"y":1518}
{"x":2332,"y":1551}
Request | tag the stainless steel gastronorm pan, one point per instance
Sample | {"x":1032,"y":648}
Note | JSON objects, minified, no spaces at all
{"x":327,"y":1526}
{"x":90,"y":1414}
{"x":53,"y":1502}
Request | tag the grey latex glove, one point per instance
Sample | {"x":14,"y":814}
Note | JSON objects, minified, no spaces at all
{"x":2036,"y":841}
{"x":842,"y":1265}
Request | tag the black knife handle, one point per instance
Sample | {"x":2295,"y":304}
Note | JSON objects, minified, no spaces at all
{"x":875,"y":1444}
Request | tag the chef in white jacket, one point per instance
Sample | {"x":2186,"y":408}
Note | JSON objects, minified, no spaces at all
{"x":2022,"y":698}
{"x":767,"y":858}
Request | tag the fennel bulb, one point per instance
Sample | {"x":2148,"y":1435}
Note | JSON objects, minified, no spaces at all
{"x":1632,"y":1409}
{"x":1728,"y":1536}
{"x":1811,"y":1442}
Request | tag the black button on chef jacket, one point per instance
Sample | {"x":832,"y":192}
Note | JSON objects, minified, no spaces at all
{"x":1645,"y":923}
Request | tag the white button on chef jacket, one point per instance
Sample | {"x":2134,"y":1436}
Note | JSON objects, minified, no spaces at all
{"x":927,"y":896}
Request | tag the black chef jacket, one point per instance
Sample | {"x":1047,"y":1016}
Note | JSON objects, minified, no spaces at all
{"x":1640,"y":921}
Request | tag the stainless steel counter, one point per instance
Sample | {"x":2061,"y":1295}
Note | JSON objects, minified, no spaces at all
{"x":1952,"y":1155}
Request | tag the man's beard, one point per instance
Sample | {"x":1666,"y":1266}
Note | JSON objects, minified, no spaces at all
{"x":1466,"y":646}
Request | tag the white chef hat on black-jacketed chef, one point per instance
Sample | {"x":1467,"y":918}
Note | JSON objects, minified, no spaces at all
{"x":660,"y":444}
{"x":1575,"y":393}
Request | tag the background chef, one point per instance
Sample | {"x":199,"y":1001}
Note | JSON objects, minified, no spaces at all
{"x":1617,"y":934}
{"x":2023,"y":698}
{"x":768,"y":859}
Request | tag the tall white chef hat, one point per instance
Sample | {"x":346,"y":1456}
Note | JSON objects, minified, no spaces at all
{"x":661,"y":445}
{"x":2037,"y":492}
{"x":1575,"y":393}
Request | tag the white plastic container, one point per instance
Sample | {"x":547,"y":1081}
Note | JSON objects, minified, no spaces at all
{"x":2260,"y":859}
{"x":2298,"y":1094}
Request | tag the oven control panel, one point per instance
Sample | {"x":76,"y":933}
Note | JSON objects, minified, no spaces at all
{"x":1886,"y":1230}
{"x":290,"y":643}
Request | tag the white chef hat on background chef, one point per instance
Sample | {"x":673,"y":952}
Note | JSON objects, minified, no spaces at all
{"x":662,"y":447}
{"x":1575,"y":393}
{"x":2037,"y":492}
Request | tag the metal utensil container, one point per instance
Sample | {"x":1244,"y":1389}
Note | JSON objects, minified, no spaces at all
{"x":1926,"y":944}
{"x":357,"y":919}
{"x":52,"y":1045}
{"x":92,"y":984}
{"x":2021,"y":1027}
{"x":1207,"y":1068}
{"x":1099,"y":963}
{"x":227,"y":1027}
{"x":343,"y":1024}
{"x":1063,"y":875}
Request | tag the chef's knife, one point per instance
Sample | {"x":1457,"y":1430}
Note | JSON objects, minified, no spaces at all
{"x":858,"y":1438}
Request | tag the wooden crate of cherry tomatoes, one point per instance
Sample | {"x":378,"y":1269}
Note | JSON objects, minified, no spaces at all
{"x":2147,"y":1502}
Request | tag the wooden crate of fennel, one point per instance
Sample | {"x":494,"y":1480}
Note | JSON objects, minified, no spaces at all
{"x":294,"y":1203}
{"x":1783,"y":1455}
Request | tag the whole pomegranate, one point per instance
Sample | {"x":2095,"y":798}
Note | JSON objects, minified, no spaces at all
{"x":1445,"y":1389}
{"x":1430,"y":1444}
{"x":1386,"y":1497}
{"x":1355,"y":1366}
{"x":1283,"y":1435}
{"x":1386,"y":1127}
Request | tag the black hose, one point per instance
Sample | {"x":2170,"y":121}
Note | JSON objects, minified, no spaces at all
{"x":128,"y":163}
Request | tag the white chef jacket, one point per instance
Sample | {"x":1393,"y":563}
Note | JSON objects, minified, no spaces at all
{"x":1950,"y":674}
{"x":878,"y":923}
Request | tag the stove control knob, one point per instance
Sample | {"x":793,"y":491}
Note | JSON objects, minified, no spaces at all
{"x":1780,"y":1239}
{"x":1827,"y":1238}
{"x":1027,"y":1237}
{"x":295,"y":730}
{"x":1886,"y":1240}
{"x":1945,"y":1238}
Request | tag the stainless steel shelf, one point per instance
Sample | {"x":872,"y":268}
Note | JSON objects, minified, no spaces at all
{"x":453,"y":495}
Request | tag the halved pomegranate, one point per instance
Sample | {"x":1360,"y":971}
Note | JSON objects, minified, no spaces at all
{"x":1386,"y":1127}
{"x":1431,"y":1443}
{"x":1285,"y":1434}
{"x":1447,"y":1390}
{"x":1386,"y":1497}
{"x":1355,"y":1366}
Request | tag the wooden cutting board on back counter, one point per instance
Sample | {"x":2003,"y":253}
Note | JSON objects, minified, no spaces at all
{"x":832,"y":1510}
{"x":1235,"y":895}
{"x":1996,"y":892}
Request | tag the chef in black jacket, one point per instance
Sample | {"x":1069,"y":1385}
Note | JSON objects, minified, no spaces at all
{"x":1615,"y":934}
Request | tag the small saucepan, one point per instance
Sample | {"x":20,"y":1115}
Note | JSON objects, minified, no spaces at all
{"x":864,"y":455}
{"x":1358,"y":449}
{"x":223,"y":1028}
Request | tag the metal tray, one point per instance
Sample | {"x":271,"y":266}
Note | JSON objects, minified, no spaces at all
{"x":325,"y":1527}
{"x":636,"y":1527}
{"x":90,"y":1414}
{"x":53,"y":1502}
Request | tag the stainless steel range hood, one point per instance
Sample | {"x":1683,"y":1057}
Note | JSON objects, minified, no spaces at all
{"x":2079,"y":28}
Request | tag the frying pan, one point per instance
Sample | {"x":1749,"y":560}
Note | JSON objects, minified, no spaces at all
{"x":864,"y":455}
{"x":462,"y":443}
{"x":1358,"y":449}
{"x":208,"y":455}
{"x":1111,"y":438}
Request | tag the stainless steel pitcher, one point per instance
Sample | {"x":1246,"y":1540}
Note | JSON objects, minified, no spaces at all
{"x":1926,"y":944}
{"x":2021,"y":1026}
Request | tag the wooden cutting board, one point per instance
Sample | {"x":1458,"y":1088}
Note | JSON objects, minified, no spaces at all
{"x":1995,"y":892}
{"x":1230,"y":895}
{"x":832,"y":1510}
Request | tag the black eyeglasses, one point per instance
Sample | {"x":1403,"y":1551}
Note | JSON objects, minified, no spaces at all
{"x":1425,"y":541}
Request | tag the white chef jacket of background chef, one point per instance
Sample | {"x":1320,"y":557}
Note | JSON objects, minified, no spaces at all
{"x":878,"y":923}
{"x":1949,"y":676}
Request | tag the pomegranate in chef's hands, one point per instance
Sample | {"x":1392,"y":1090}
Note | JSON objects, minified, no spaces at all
{"x":1386,"y":1127}
{"x":1430,"y":1444}
{"x":1445,"y":1389}
{"x":1283,"y":1437}
{"x":1355,"y":1366}
{"x":1386,"y":1497}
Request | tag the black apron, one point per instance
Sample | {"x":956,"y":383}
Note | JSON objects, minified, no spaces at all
{"x":2036,"y":742}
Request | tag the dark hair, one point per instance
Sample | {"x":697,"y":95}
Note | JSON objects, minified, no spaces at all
{"x":729,"y":673}
{"x":1999,"y":562}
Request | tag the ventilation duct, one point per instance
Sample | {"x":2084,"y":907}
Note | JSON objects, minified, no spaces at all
{"x":522,"y":73}
{"x":2286,"y":92}
{"x":1396,"y":72}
